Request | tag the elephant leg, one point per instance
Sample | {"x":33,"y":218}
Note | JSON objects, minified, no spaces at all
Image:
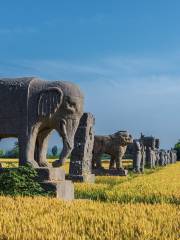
{"x":26,"y":152}
{"x":27,"y":147}
{"x":41,"y":148}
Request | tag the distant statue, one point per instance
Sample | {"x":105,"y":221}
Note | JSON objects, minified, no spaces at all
{"x":115,"y":145}
{"x":166,"y":157}
{"x":137,"y":156}
{"x":143,"y":156}
{"x":157,"y":157}
{"x":162,"y":158}
{"x":151,"y":157}
{"x":152,"y":145}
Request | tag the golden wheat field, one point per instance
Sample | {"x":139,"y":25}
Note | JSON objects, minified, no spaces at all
{"x":42,"y":218}
{"x":136,"y":207}
{"x":156,"y":186}
{"x":13,"y":162}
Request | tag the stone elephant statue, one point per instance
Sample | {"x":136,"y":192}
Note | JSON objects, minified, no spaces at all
{"x":115,"y":145}
{"x":31,"y":108}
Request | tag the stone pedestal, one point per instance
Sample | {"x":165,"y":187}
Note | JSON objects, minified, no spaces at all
{"x":81,"y":156}
{"x":89,"y":178}
{"x":53,"y":179}
{"x":62,"y":189}
{"x":50,"y":174}
{"x":110,"y":172}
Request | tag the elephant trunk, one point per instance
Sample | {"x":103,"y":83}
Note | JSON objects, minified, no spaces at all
{"x":67,"y":130}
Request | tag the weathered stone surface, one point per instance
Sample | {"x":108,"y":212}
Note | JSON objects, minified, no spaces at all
{"x":62,"y":189}
{"x":137,"y":156}
{"x":115,"y":145}
{"x":162,"y":158}
{"x":81,"y":156}
{"x":151,"y":145}
{"x":143,"y":157}
{"x":53,"y":179}
{"x":173,"y":156}
{"x":157,"y":157}
{"x":50,"y":174}
{"x":88,"y":178}
{"x":31,"y":108}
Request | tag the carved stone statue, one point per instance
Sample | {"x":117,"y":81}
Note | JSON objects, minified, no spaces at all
{"x":162,"y":157}
{"x":115,"y":145}
{"x":166,"y":157}
{"x":152,"y":145}
{"x":31,"y":108}
{"x":156,"y":152}
{"x":174,"y":156}
{"x":143,"y":157}
{"x":137,"y":156}
{"x":151,"y":157}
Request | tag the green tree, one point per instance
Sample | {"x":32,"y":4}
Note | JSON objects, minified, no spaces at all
{"x":54,"y":151}
{"x":177,"y":148}
{"x":15,"y":150}
{"x":1,"y":152}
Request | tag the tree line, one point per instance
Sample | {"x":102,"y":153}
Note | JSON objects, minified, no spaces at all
{"x":14,"y":152}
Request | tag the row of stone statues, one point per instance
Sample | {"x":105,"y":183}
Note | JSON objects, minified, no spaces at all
{"x":146,"y":153}
{"x":89,"y":149}
{"x":32,"y":108}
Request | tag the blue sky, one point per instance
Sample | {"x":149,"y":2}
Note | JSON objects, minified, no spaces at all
{"x":124,"y":54}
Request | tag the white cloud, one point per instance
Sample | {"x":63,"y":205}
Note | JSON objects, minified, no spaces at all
{"x":115,"y":68}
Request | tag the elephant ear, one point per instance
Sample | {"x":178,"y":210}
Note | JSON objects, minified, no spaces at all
{"x":49,"y":101}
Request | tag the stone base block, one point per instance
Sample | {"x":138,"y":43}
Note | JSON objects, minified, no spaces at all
{"x":53,"y":179}
{"x":88,"y":178}
{"x":110,"y":172}
{"x":118,"y":172}
{"x":63,"y":189}
{"x":50,"y":174}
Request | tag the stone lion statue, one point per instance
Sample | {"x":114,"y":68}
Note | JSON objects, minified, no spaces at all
{"x":115,"y":145}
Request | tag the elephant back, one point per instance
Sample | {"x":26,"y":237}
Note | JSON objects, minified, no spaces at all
{"x":14,"y":97}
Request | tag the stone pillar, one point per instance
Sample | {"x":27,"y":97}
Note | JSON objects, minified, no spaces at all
{"x":81,"y":156}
